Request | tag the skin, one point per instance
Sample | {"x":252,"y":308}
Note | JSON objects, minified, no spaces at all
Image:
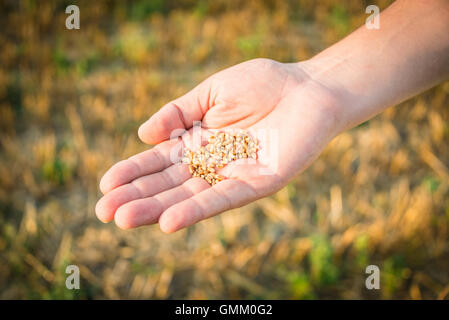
{"x":307,"y":104}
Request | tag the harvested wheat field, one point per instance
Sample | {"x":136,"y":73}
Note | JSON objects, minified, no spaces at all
{"x":71,"y":102}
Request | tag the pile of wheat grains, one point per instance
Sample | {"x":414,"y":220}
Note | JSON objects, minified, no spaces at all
{"x":222,"y":148}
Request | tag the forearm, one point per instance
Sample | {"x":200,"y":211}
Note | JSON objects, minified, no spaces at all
{"x":371,"y":70}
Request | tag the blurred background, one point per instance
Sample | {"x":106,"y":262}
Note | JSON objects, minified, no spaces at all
{"x":70,"y":105}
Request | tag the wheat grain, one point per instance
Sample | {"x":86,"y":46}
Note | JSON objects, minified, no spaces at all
{"x":222,"y":148}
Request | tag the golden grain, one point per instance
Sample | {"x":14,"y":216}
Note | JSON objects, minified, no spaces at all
{"x":222,"y":148}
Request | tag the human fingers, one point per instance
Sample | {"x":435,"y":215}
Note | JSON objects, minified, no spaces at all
{"x":141,"y":164}
{"x":139,"y":188}
{"x":147,"y":210}
{"x":225,"y":195}
{"x":180,"y":113}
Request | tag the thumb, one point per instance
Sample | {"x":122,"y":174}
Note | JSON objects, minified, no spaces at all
{"x":177,"y":114}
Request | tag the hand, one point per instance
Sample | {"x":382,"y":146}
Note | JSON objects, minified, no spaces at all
{"x":256,"y":95}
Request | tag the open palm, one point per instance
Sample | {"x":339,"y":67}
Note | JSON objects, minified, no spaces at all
{"x":291,"y":114}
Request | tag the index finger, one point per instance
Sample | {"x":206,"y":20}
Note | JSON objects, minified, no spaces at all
{"x":181,"y":113}
{"x":141,"y":164}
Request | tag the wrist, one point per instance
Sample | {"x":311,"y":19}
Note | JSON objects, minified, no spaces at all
{"x":357,"y":95}
{"x":320,"y":84}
